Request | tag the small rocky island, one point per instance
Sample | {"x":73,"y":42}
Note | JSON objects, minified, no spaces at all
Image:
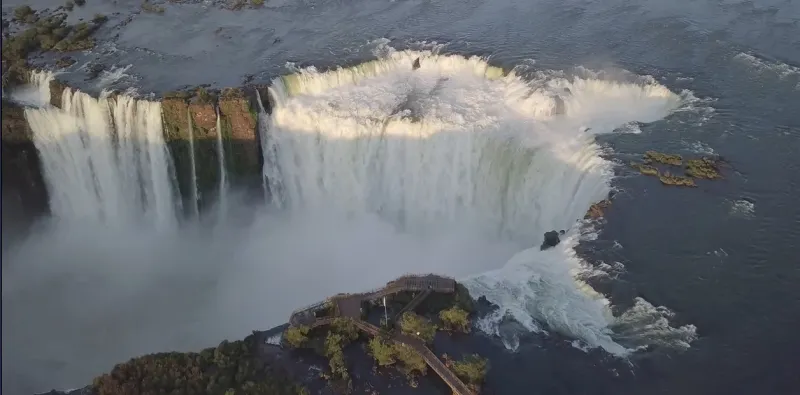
{"x":658,"y":164}
{"x":393,"y":326}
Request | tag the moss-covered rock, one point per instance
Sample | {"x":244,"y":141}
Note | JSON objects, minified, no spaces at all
{"x":660,"y":157}
{"x":239,"y":123}
{"x":57,"y":92}
{"x":705,"y":168}
{"x":14,"y":126}
{"x":645,"y":169}
{"x":670,"y":179}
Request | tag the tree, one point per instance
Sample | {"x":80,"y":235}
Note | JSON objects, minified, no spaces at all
{"x":415,"y":325}
{"x":455,"y":319}
{"x":382,"y":351}
{"x":335,"y":354}
{"x":471,"y":369}
{"x":412,"y":361}
{"x":296,"y":336}
{"x":346,"y":328}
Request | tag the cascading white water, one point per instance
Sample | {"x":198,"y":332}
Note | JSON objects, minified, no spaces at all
{"x":271,"y":171}
{"x":104,"y":159}
{"x":193,"y":165}
{"x":455,"y":145}
{"x":223,"y":172}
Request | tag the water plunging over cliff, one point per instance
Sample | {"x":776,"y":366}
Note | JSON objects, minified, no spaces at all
{"x":104,"y":159}
{"x":457,"y":144}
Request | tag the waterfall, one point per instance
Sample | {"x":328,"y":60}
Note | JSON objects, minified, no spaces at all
{"x":194,"y":194}
{"x":223,"y":173}
{"x":442,"y":145}
{"x":104,"y":159}
{"x":271,"y":172}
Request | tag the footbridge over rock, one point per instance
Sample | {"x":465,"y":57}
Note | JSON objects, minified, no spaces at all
{"x":348,"y":306}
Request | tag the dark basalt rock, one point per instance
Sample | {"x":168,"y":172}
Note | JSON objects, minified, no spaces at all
{"x":551,"y":239}
{"x":415,"y":65}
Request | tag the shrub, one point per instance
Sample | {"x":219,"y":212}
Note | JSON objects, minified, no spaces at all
{"x":334,"y":344}
{"x":296,"y":336}
{"x":69,"y":6}
{"x":80,"y":3}
{"x":455,"y":319}
{"x":415,"y":325}
{"x":257,"y":2}
{"x":99,"y":19}
{"x":411,"y":361}
{"x":22,"y":12}
{"x":471,"y":369}
{"x":382,"y":351}
{"x":346,"y":328}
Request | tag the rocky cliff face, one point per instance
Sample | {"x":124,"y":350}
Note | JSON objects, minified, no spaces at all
{"x":24,"y":192}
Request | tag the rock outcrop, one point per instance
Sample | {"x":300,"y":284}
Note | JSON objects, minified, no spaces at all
{"x":551,"y":239}
{"x":23,"y":184}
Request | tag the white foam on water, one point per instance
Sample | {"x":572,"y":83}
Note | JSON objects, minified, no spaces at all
{"x":742,"y":208}
{"x":459,"y":146}
{"x":104,"y":159}
{"x":777,"y":68}
{"x":112,"y":75}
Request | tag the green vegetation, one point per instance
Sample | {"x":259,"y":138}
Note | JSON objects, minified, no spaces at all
{"x":703,"y":168}
{"x":346,"y":328}
{"x":472,"y":369}
{"x":203,"y":96}
{"x":47,"y":33}
{"x":437,"y":302}
{"x":455,"y":319}
{"x":411,"y":361}
{"x":230,"y":368}
{"x":382,"y":351}
{"x":296,"y":336}
{"x":334,"y":351}
{"x":659,"y":157}
{"x":387,"y":353}
{"x":152,"y":8}
{"x":99,"y":18}
{"x":647,"y":170}
{"x":418,"y":326}
{"x":669,"y":179}
{"x":257,"y":2}
{"x":24,"y":14}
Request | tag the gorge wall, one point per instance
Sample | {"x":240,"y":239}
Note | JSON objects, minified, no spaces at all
{"x":194,"y":120}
